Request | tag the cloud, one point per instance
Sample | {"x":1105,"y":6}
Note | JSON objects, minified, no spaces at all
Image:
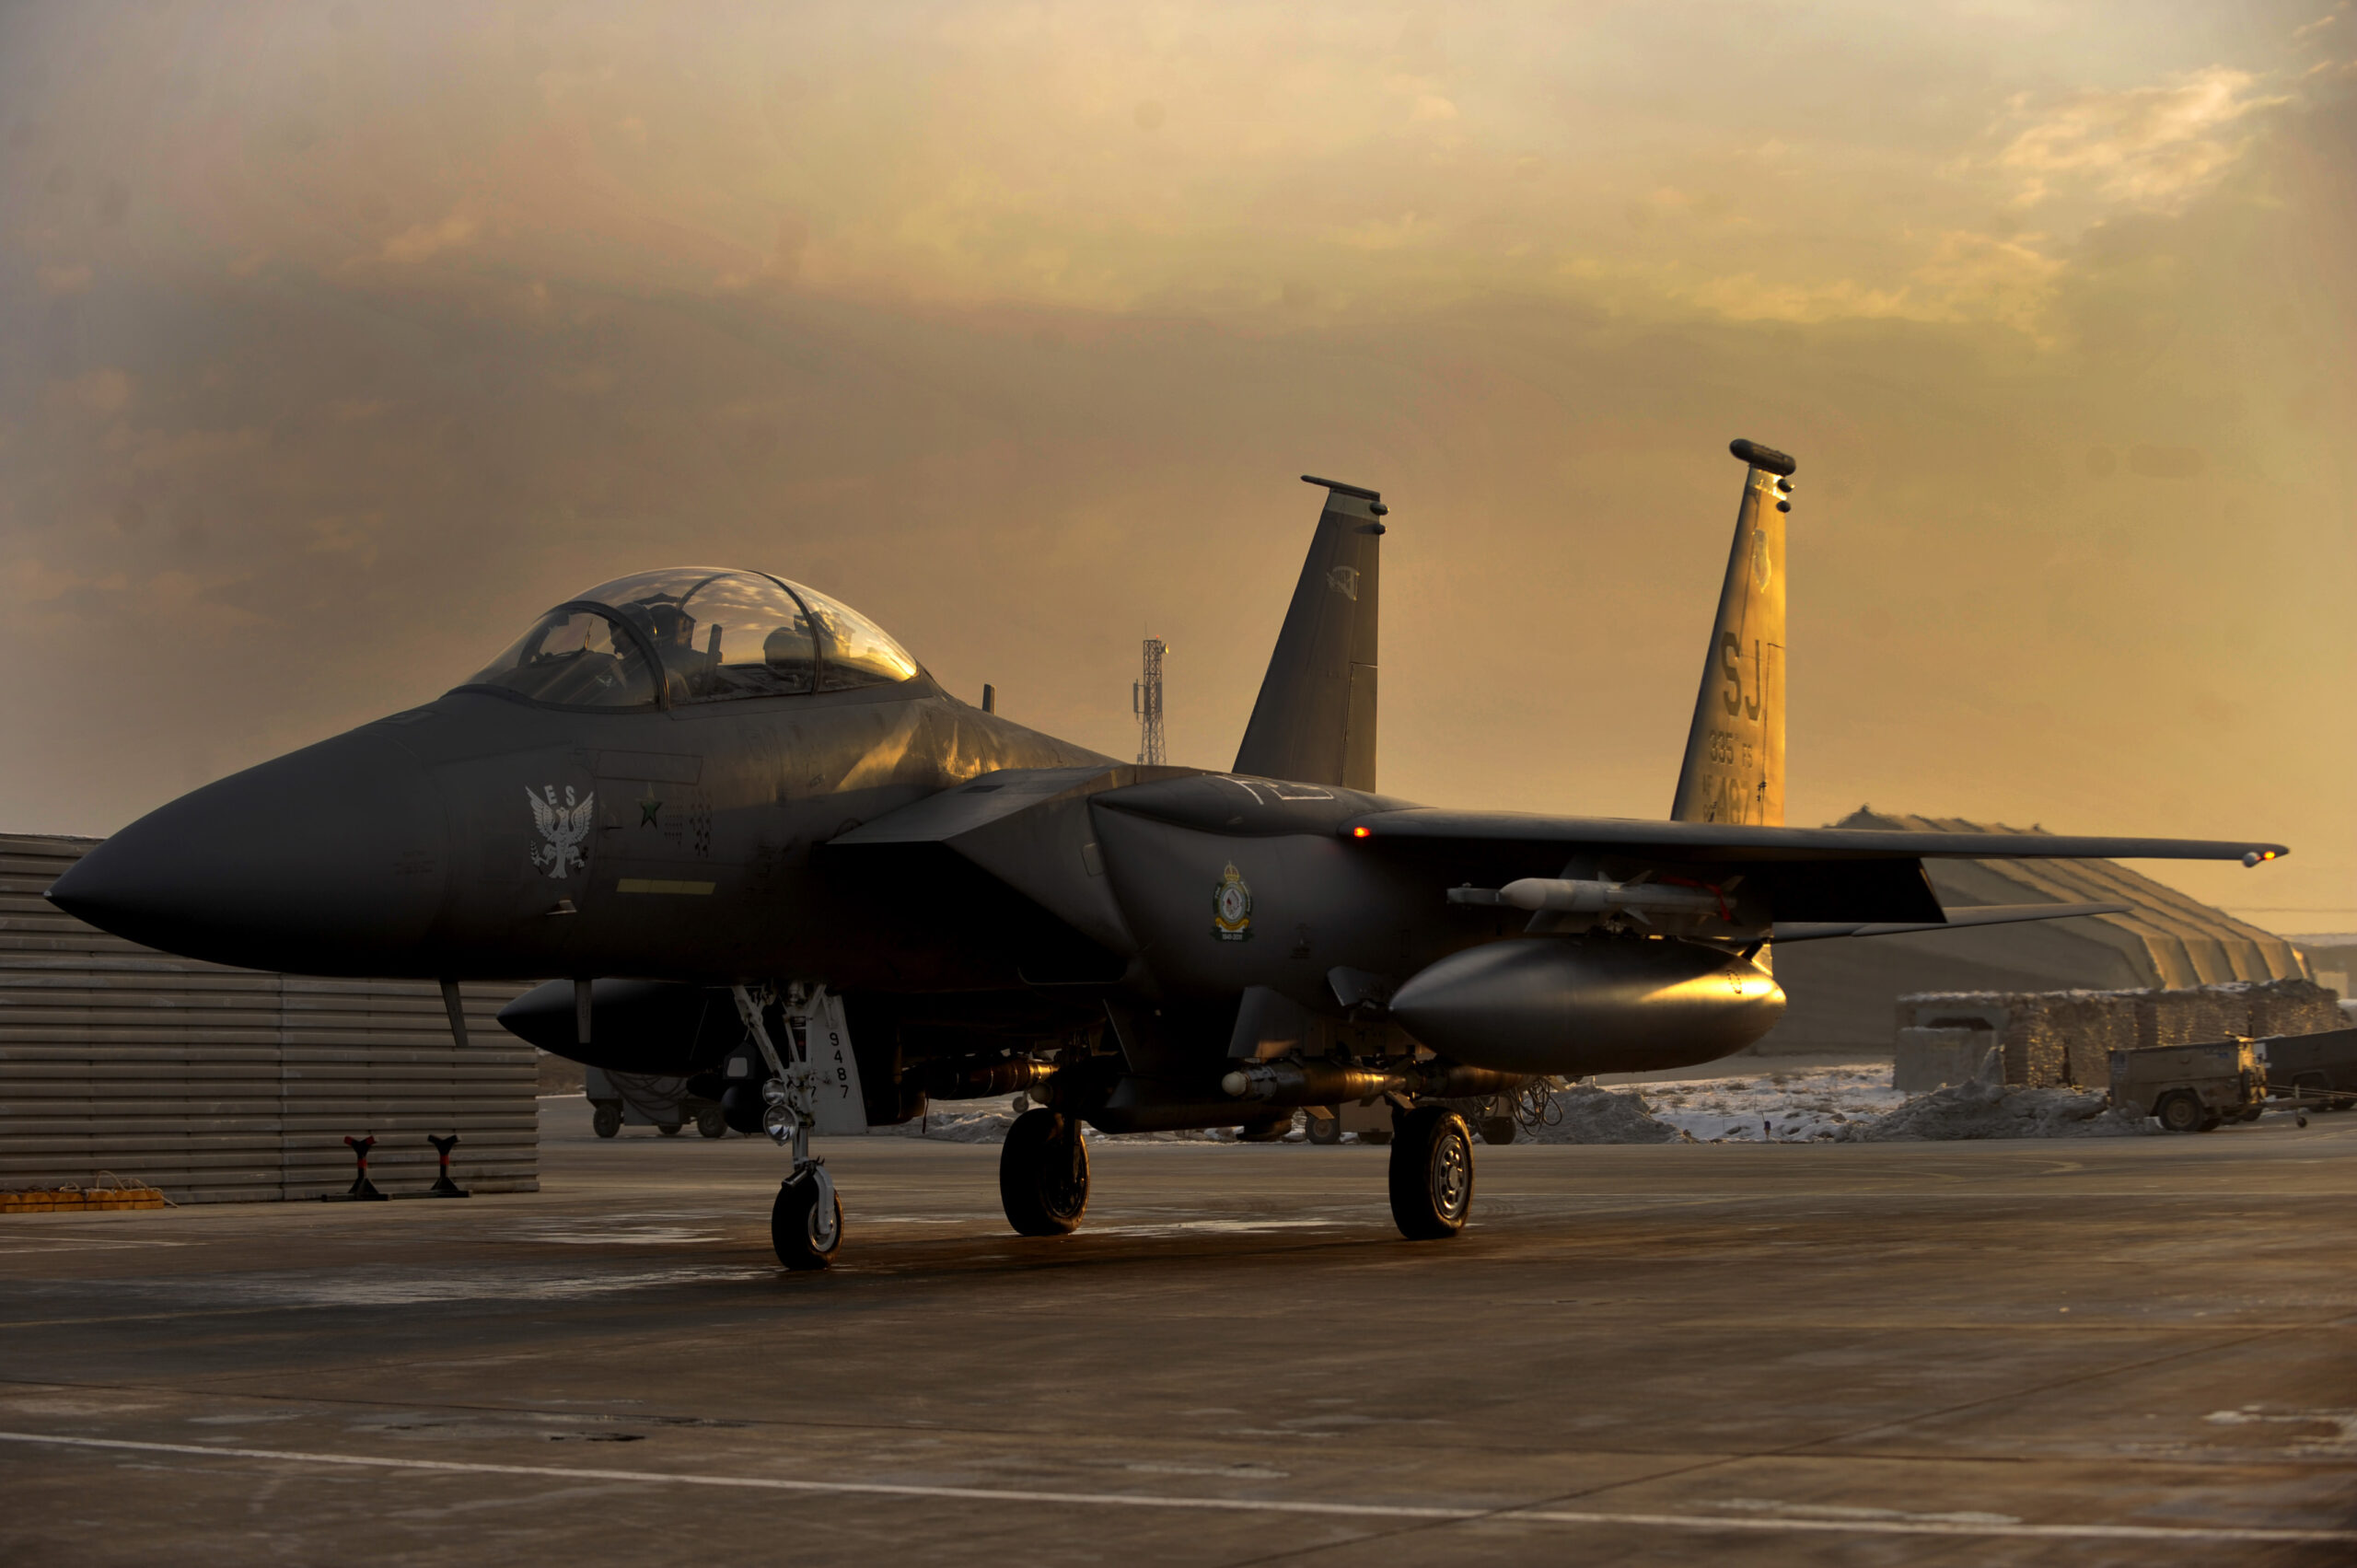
{"x":2307,"y":31}
{"x":2152,"y":146}
{"x":101,"y":391}
{"x":422,"y":241}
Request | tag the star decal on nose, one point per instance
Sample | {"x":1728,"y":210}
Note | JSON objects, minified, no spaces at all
{"x":649,"y":809}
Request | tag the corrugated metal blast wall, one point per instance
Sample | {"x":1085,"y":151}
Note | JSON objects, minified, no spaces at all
{"x":229,"y":1085}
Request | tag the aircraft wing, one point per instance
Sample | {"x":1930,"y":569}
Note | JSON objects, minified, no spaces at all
{"x":1731,"y":842}
{"x":1957,"y":920}
{"x":1812,"y":876}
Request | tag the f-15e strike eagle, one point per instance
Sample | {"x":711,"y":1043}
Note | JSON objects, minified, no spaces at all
{"x":763,"y":849}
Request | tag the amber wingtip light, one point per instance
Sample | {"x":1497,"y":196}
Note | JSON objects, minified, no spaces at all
{"x":1362,"y":832}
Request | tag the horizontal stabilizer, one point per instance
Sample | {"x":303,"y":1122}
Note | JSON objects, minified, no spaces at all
{"x":1957,"y":920}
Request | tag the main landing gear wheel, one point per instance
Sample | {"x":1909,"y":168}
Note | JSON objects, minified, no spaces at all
{"x":1043,"y":1173}
{"x":1431,"y":1173}
{"x":807,"y":1222}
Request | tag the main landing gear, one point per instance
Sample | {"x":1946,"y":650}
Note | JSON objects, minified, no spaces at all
{"x":1431,"y":1173}
{"x":1043,"y":1173}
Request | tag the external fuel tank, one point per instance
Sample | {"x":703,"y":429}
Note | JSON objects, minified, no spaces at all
{"x":1572,"y":1006}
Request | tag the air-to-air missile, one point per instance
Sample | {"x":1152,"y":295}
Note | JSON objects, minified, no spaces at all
{"x":750,"y":841}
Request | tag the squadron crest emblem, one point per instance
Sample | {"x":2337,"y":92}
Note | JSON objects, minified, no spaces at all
{"x":1232,"y":907}
{"x":562,"y":828}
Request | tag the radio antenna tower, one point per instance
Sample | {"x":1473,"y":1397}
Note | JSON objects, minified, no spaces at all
{"x":1146,"y":701}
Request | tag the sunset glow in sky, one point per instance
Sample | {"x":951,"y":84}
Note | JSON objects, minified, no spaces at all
{"x":343,"y":340}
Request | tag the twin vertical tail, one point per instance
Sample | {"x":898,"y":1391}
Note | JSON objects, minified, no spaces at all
{"x":1315,"y":720}
{"x":1735,"y":752}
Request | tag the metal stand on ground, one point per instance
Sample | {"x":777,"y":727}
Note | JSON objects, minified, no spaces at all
{"x":443,"y":1186}
{"x":363,"y":1190}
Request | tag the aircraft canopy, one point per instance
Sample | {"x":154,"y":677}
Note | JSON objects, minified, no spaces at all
{"x":713,"y":634}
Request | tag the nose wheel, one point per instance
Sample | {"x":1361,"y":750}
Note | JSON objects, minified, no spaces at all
{"x":806,"y":1221}
{"x":1431,"y":1173}
{"x":1043,"y":1173}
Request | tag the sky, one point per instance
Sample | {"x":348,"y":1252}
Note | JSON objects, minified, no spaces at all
{"x":341,"y":340}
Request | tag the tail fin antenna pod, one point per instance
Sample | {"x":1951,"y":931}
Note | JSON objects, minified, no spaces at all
{"x":1735,"y":751}
{"x":1315,"y":720}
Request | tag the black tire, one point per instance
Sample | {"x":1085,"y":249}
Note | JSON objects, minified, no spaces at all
{"x":711,"y":1123}
{"x":606,"y":1119}
{"x":1043,"y":1173}
{"x":1325,"y":1130}
{"x":1431,"y":1173}
{"x":669,"y":1129}
{"x":2180,"y":1110}
{"x":805,"y":1237}
{"x":1497,"y":1129}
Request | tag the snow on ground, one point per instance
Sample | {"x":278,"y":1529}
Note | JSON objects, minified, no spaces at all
{"x":1774,"y":1105}
{"x":1800,"y":1104}
{"x":1797,"y":1105}
{"x":1582,"y":1113}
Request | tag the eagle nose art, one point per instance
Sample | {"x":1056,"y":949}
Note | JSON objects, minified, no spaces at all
{"x":330,"y":860}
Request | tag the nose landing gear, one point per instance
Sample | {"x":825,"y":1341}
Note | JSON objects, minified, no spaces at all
{"x":806,"y":1221}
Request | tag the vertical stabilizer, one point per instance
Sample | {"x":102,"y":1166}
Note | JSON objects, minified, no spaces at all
{"x":1735,"y":753}
{"x":1315,"y":719}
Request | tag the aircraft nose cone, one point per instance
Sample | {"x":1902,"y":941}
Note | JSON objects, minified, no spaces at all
{"x":332,"y":860}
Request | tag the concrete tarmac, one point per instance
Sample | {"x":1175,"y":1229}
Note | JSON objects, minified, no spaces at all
{"x":2119,"y":1351}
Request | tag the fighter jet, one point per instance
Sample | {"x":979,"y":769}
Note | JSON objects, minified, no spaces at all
{"x":757,"y":845}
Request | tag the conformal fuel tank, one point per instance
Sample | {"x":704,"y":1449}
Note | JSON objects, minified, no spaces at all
{"x":1573,"y":1006}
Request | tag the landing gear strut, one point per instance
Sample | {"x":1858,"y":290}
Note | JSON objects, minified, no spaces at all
{"x":1431,"y":1173}
{"x":807,"y":1222}
{"x":1043,"y":1173}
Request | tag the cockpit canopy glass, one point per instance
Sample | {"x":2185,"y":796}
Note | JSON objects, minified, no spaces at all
{"x":716,"y":635}
{"x":576,"y":657}
{"x":719,"y":633}
{"x":858,"y":653}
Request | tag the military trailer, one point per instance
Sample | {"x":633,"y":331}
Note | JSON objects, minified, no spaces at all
{"x":2317,"y":1071}
{"x":2191,"y":1089}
